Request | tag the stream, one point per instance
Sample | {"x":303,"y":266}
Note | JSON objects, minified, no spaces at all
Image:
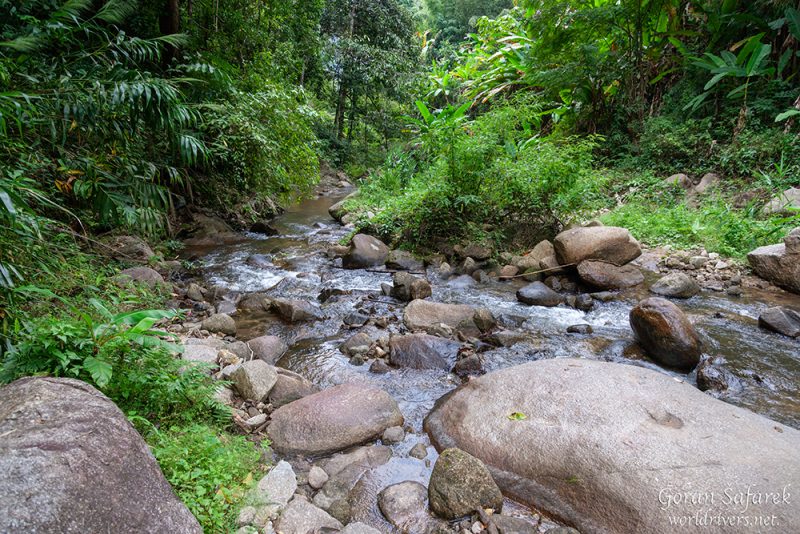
{"x":294,"y":264}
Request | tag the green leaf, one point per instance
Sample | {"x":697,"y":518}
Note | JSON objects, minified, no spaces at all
{"x":786,"y":114}
{"x":517,"y":416}
{"x":100,"y":370}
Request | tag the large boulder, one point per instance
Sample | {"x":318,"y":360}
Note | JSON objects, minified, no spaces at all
{"x":665,"y":334}
{"x":461,"y":484}
{"x":678,"y":285}
{"x":268,"y":348}
{"x":426,"y":316}
{"x":332,"y":420}
{"x":404,"y":506}
{"x":608,"y":447}
{"x":606,"y":243}
{"x":777,"y":264}
{"x":365,"y":251}
{"x":289,"y":387}
{"x":423,"y":351}
{"x":71,"y":462}
{"x":605,"y":275}
{"x":782,"y":320}
{"x":404,"y":261}
{"x":538,"y":294}
{"x":302,"y":517}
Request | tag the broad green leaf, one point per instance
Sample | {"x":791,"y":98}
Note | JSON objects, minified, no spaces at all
{"x":787,"y":114}
{"x":100,"y":370}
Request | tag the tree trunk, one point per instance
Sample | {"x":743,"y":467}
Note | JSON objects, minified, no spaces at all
{"x":170,"y":23}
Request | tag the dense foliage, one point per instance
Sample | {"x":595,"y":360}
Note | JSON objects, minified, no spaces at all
{"x":668,"y":86}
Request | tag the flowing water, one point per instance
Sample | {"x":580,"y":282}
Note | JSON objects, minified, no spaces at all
{"x":294,"y":264}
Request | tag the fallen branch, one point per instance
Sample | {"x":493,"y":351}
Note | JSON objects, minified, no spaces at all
{"x":538,"y":272}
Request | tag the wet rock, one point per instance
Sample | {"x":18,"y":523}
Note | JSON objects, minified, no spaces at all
{"x":302,"y":517}
{"x":461,"y":484}
{"x":599,"y":461}
{"x":365,"y":251}
{"x":226,"y":308}
{"x":360,"y":339}
{"x":444,"y":269}
{"x":678,"y":285}
{"x":344,"y":472}
{"x":711,"y":376}
{"x":140,"y":275}
{"x":71,"y":462}
{"x":404,"y":261}
{"x":268,"y":348}
{"x":295,"y":310}
{"x":254,"y":380}
{"x":332,"y":420}
{"x":484,"y":320}
{"x":379,"y":367}
{"x":424,"y":315}
{"x":605,"y":275}
{"x":422,"y":351}
{"x":408,"y":287}
{"x":538,"y":294}
{"x":606,"y":243}
{"x":506,"y":338}
{"x":130,"y":248}
{"x":470,"y":266}
{"x":317,"y":477}
{"x":462,"y":282}
{"x":220,"y":323}
{"x":274,"y":491}
{"x":394,"y":434}
{"x":471,"y":365}
{"x":355,"y":319}
{"x":785,"y":202}
{"x":404,"y":506}
{"x":290,"y":387}
{"x":419,"y":451}
{"x":781,"y":320}
{"x":263,"y":227}
{"x":665,"y":334}
{"x":562,"y":530}
{"x":777,"y":265}
{"x":584,"y":302}
{"x":584,"y":329}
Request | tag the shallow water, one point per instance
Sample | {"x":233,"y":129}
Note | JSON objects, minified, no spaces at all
{"x":293,"y":264}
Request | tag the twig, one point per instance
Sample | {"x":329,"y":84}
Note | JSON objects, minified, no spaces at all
{"x":539,"y":272}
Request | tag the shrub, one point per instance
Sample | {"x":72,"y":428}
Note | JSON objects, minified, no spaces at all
{"x":209,"y":470}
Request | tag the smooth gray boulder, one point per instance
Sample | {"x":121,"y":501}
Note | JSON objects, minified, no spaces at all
{"x":605,"y":444}
{"x":337,"y":211}
{"x":785,"y":202}
{"x":297,"y":310}
{"x":140,"y":275}
{"x":779,"y":265}
{"x":423,"y":351}
{"x":72,"y":462}
{"x":332,"y":420}
{"x":290,"y":387}
{"x":425,"y":316}
{"x":365,"y":251}
{"x":254,"y":380}
{"x":404,"y":261}
{"x":677,"y":285}
{"x":538,"y":294}
{"x":268,"y":348}
{"x":606,"y":243}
